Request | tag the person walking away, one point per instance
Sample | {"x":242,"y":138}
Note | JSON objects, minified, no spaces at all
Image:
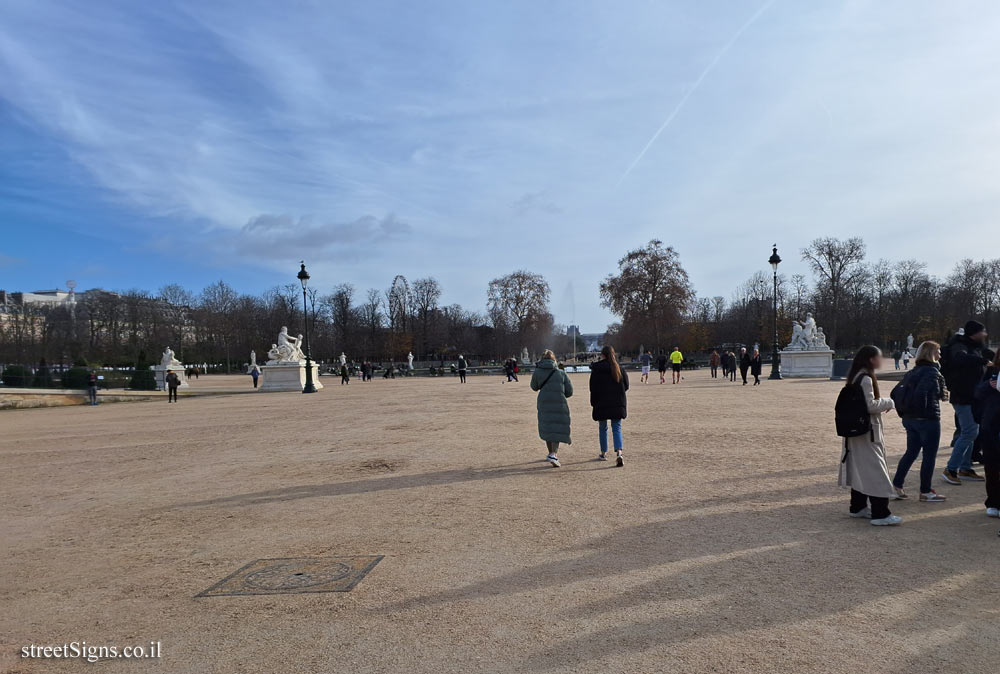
{"x":463,"y":366}
{"x":173,"y":381}
{"x":608,"y":384}
{"x":713,"y":362}
{"x":554,"y":388}
{"x":744,"y":363}
{"x":918,"y":400}
{"x":676,"y":359}
{"x":863,"y":467}
{"x":646,"y":360}
{"x":661,"y":365}
{"x":732,"y":365}
{"x":92,"y":387}
{"x":988,"y":396}
{"x":254,"y":374}
{"x":345,"y":375}
{"x":906,"y":360}
{"x":755,"y":367}
{"x":963,"y":366}
{"x":896,"y":356}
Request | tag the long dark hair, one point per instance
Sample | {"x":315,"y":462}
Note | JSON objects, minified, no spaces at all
{"x":609,"y":355}
{"x":863,"y":363}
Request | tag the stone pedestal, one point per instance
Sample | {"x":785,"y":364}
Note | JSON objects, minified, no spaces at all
{"x":287,"y":377}
{"x":806,"y":364}
{"x":160,"y":373}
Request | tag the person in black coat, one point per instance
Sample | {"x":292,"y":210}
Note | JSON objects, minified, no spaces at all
{"x":608,"y":384}
{"x":744,"y":364}
{"x":963,"y":365}
{"x":755,"y":367}
{"x":989,"y":397}
{"x":922,"y":391}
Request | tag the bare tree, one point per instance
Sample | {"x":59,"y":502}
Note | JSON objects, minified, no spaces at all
{"x":837,"y":264}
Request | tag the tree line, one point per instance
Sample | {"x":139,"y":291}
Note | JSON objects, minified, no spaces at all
{"x":856,"y":300}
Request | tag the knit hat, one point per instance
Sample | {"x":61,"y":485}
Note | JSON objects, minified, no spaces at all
{"x":973,"y":328}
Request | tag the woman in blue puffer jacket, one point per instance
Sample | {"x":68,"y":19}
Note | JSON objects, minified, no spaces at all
{"x":925,"y":389}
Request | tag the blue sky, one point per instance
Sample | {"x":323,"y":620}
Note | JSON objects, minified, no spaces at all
{"x":150,"y":143}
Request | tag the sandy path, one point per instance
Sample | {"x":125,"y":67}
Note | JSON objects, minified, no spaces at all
{"x":723,"y":545}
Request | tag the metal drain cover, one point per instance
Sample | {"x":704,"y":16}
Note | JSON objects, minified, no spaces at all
{"x":295,"y":575}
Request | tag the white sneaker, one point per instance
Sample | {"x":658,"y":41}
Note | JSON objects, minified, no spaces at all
{"x":887,"y":521}
{"x":867,"y":512}
{"x":553,"y":460}
{"x":993,"y":512}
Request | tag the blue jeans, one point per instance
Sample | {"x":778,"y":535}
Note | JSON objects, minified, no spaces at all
{"x":922,"y":434}
{"x":616,"y":434}
{"x":961,"y":455}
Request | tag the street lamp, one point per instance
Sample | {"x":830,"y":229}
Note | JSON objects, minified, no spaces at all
{"x":303,"y":277}
{"x":774,"y":261}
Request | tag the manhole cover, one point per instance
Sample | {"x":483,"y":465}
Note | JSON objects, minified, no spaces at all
{"x":295,"y":575}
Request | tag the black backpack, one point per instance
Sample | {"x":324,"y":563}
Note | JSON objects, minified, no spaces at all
{"x":851,"y":412}
{"x":902,"y":394}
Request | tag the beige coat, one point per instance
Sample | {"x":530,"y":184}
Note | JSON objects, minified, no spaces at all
{"x":864,"y":468}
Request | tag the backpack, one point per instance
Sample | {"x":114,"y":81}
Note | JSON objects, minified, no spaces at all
{"x":902,"y":394}
{"x":851,"y":413}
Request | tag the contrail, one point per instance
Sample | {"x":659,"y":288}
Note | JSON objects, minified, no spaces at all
{"x":694,"y":87}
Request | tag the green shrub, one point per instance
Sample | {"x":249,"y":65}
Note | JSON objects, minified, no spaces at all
{"x":17,"y":375}
{"x":75,"y":377}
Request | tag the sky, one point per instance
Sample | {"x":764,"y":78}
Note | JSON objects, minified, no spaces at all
{"x":186,"y":142}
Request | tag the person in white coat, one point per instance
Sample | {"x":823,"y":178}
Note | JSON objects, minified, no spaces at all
{"x":863,"y":467}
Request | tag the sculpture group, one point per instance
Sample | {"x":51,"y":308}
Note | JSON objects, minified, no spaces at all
{"x":807,"y":336}
{"x":287,"y":350}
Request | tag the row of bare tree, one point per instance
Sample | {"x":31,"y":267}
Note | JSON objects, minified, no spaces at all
{"x":855,"y":300}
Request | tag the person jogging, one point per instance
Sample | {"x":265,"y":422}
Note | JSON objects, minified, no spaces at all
{"x":463,"y":367}
{"x":646,"y":360}
{"x":676,"y":360}
{"x":661,"y":365}
{"x":554,"y":388}
{"x":173,"y":381}
{"x":608,"y":384}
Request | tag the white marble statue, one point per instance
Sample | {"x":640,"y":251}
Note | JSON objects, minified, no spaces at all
{"x":807,"y":336}
{"x":909,"y":342}
{"x":287,"y":350}
{"x":343,"y":359}
{"x":409,"y":360}
{"x":525,"y":358}
{"x":253,"y":362}
{"x":168,"y":362}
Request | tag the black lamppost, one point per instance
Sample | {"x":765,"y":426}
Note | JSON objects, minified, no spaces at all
{"x":775,"y":260}
{"x":303,"y":276}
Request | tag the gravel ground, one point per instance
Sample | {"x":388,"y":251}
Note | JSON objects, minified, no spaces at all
{"x":722,"y":546}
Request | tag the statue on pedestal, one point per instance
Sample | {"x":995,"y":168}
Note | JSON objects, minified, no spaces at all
{"x":525,"y":358}
{"x":807,"y":336}
{"x":253,"y":362}
{"x":909,"y":342}
{"x":409,"y":361}
{"x":343,"y":359}
{"x":168,"y":362}
{"x":287,"y":350}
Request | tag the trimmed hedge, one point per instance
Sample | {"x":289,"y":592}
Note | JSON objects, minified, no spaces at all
{"x":75,"y":377}
{"x":17,"y":375}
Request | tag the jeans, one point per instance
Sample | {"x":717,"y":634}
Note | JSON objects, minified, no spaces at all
{"x":922,"y":434}
{"x":715,"y":371}
{"x":616,"y":434}
{"x":171,"y":394}
{"x":880,"y":504}
{"x":92,"y":394}
{"x":961,"y":456}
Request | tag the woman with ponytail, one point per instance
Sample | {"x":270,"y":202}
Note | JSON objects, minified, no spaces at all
{"x":608,"y":384}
